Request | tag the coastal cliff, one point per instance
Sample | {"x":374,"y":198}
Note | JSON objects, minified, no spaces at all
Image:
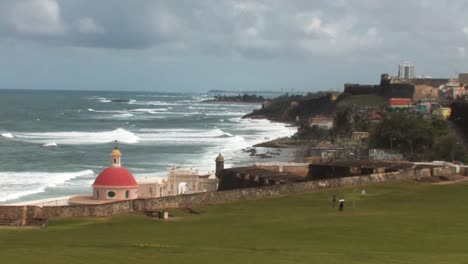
{"x":287,"y":108}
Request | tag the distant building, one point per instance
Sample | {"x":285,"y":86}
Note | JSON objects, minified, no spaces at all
{"x":262,"y":174}
{"x":442,"y":112}
{"x":178,"y":182}
{"x":463,"y":78}
{"x":384,"y":154}
{"x":321,"y":121}
{"x":424,"y":107}
{"x":376,"y":117}
{"x":400,"y":103}
{"x":453,"y":89}
{"x":360,"y":136}
{"x":406,"y":71}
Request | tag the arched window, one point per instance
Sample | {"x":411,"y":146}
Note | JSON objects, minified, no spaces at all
{"x":97,"y":194}
{"x":127,"y":194}
{"x":115,"y":161}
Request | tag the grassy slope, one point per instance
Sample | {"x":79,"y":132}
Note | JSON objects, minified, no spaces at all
{"x":405,"y":223}
{"x":363,"y":100}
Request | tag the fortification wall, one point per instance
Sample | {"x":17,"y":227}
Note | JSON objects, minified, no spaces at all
{"x":429,"y":82}
{"x":360,"y":89}
{"x":28,"y":213}
{"x":299,"y":169}
{"x":120,"y":207}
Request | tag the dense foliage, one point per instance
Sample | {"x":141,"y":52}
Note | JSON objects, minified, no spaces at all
{"x":249,"y":98}
{"x":417,"y":138}
{"x":287,"y":108}
{"x":349,"y":119}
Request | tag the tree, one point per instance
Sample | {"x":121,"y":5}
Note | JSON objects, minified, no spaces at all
{"x":448,"y":148}
{"x":342,"y":124}
{"x":410,"y":135}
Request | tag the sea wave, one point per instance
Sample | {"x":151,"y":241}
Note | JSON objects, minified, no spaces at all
{"x":7,"y":135}
{"x":156,"y":103}
{"x":150,"y":110}
{"x":14,"y":185}
{"x":124,"y":115}
{"x":73,"y":138}
{"x":177,"y":136}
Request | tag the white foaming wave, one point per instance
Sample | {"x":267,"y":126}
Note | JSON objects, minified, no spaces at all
{"x":100,"y":99}
{"x":227,"y":113}
{"x":189,"y":139}
{"x":250,"y":106}
{"x":7,"y":135}
{"x":253,"y":131}
{"x":14,"y":185}
{"x":73,"y":138}
{"x":135,"y":102}
{"x":186,"y":132}
{"x":150,"y":110}
{"x":108,"y":111}
{"x":52,"y":144}
{"x":177,"y":136}
{"x":125,"y":115}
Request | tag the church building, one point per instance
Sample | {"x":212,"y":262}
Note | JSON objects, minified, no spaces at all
{"x":115,"y":182}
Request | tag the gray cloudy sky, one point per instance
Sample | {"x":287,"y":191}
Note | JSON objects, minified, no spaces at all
{"x":183,"y":45}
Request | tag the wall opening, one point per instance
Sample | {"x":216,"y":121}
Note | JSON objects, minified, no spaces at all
{"x":111,"y":194}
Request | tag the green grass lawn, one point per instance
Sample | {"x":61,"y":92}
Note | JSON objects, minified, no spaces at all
{"x":398,"y":223}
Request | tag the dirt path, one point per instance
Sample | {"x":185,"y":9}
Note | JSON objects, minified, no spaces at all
{"x":464,"y":179}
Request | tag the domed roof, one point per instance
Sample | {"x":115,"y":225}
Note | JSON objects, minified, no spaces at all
{"x":220,"y":157}
{"x":115,"y":177}
{"x":116,"y":152}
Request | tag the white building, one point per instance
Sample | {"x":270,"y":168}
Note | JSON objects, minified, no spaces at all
{"x":178,"y":182}
{"x":321,"y":122}
{"x":384,"y":154}
{"x":406,"y":71}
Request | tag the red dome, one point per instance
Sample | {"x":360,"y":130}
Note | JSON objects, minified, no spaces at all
{"x":115,"y":177}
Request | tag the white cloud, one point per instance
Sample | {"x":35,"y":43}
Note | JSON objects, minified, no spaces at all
{"x":312,"y":24}
{"x":36,"y":17}
{"x":88,"y":25}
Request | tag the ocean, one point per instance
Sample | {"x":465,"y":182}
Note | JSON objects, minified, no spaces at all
{"x":54,"y":143}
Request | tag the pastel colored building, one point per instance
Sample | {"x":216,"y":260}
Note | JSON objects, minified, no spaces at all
{"x":115,"y":182}
{"x":442,"y":112}
{"x":400,"y":103}
{"x":321,"y":122}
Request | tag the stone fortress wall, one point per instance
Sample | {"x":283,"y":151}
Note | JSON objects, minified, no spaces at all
{"x":32,"y":215}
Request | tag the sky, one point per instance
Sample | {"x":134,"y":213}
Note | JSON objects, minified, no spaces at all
{"x":195,"y":46}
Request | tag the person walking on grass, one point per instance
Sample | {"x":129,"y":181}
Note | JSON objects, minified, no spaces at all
{"x":341,"y":203}
{"x":334,"y":200}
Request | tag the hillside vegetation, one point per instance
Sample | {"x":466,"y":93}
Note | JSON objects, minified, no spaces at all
{"x":287,"y":108}
{"x":396,"y":223}
{"x":365,"y":100}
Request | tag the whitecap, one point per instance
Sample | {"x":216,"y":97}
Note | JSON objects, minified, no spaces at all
{"x":14,"y":185}
{"x":150,"y":110}
{"x":52,"y":144}
{"x":74,"y":138}
{"x":123,"y":115}
{"x":7,"y":135}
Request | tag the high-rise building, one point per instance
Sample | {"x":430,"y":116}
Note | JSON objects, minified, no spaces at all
{"x":406,"y":71}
